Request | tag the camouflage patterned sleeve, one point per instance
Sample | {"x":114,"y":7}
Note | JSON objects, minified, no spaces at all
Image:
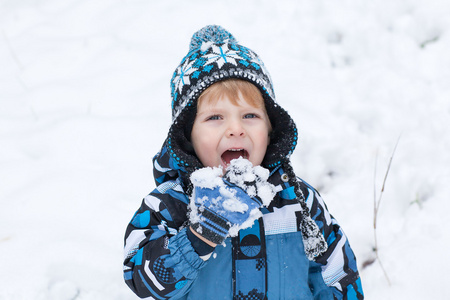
{"x":337,"y":265}
{"x":160,"y":261}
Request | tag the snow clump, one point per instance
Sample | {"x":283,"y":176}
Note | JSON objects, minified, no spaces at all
{"x":241,"y":173}
{"x":253,"y":180}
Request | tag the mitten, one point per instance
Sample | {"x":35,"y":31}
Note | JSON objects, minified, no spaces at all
{"x":220,"y":207}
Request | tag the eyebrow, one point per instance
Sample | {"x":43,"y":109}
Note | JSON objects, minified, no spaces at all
{"x":210,"y":111}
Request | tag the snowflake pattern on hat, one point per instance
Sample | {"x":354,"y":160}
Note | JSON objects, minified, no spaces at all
{"x":183,"y":74}
{"x":222,"y":55}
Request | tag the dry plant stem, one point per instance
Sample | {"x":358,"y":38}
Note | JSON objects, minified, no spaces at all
{"x":376,"y":206}
{"x":11,"y":51}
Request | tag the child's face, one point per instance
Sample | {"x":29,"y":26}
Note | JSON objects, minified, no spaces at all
{"x":223,"y":131}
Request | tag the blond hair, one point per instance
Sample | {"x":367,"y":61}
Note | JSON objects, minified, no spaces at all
{"x":232,"y":88}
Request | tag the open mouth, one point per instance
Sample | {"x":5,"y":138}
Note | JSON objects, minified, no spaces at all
{"x":231,"y":154}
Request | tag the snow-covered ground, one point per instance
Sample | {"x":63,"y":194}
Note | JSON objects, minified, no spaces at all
{"x":85,"y":104}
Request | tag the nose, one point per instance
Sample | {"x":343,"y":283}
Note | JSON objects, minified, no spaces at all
{"x":235,"y":129}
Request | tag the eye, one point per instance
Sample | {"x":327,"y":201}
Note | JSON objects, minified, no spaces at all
{"x":250,"y":116}
{"x":213,"y":118}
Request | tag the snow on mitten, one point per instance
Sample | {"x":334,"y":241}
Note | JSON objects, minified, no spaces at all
{"x":220,"y":207}
{"x":253,"y":180}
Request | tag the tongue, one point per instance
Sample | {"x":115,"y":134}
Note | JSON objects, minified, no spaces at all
{"x":227,"y":156}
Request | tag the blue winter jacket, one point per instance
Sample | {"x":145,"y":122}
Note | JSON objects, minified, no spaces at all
{"x":160,"y":262}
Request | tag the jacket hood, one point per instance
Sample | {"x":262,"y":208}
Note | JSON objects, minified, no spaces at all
{"x":166,"y":168}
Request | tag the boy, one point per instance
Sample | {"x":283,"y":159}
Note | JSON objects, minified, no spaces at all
{"x":229,"y":219}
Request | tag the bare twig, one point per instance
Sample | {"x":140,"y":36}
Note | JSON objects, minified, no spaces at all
{"x":11,"y":51}
{"x":376,"y":207}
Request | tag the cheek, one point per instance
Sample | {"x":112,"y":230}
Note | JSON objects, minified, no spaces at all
{"x":204,"y":147}
{"x":263,"y":137}
{"x":262,"y":141}
{"x":266,"y":138}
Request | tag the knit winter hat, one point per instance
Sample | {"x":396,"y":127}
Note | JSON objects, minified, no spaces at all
{"x":215,"y":55}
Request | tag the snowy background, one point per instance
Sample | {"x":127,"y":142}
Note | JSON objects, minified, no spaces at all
{"x":85,"y":104}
